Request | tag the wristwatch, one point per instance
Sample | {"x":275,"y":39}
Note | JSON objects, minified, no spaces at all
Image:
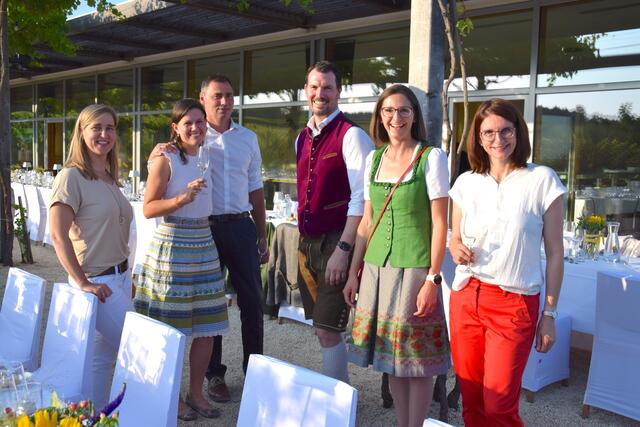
{"x":344,"y":246}
{"x":435,"y":278}
{"x":551,"y":313}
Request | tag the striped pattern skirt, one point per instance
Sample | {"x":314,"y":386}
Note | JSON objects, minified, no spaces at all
{"x":386,"y":334}
{"x":181,"y":283}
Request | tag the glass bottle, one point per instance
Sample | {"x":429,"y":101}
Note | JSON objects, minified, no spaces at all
{"x":612,"y":243}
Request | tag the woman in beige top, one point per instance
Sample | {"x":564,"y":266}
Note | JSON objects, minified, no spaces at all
{"x":89,"y":219}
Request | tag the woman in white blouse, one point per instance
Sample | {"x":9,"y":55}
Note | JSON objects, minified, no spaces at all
{"x":502,"y":211}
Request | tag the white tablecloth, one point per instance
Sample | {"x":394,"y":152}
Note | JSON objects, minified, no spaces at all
{"x":578,"y":293}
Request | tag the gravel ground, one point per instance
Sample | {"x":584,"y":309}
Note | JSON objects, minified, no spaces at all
{"x":555,"y":405}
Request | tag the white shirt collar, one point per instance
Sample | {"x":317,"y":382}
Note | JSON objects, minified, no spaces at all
{"x":316,"y":129}
{"x":211,"y":129}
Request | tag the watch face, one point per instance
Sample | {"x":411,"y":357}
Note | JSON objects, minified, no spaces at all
{"x":437,"y":279}
{"x":344,"y":246}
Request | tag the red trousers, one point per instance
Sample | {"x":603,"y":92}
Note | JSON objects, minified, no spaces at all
{"x":491,"y":336}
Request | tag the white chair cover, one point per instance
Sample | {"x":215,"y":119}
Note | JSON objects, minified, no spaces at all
{"x":277,"y":393}
{"x":142,"y":230}
{"x":150,"y":363}
{"x":430,"y":422}
{"x":21,"y":318}
{"x":68,"y":343}
{"x":45,"y":194}
{"x":545,"y":368}
{"x":35,"y":221}
{"x":614,"y":373}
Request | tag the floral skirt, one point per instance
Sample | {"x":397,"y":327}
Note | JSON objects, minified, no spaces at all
{"x":181,"y":283}
{"x":386,"y":334}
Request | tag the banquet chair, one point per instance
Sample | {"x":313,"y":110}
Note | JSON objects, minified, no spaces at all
{"x":35,"y":220}
{"x":545,"y":368}
{"x":430,"y":422}
{"x":21,"y":318}
{"x":614,"y":372}
{"x":67,"y":350}
{"x":150,"y":363}
{"x":277,"y":393}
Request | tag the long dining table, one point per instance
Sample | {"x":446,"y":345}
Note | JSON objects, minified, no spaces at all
{"x":577,"y":296}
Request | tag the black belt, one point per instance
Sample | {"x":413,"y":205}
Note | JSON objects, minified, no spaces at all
{"x":120,"y":268}
{"x":215,"y":219}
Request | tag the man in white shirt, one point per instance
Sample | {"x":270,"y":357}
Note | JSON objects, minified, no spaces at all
{"x":236,"y":166}
{"x":330,"y":153}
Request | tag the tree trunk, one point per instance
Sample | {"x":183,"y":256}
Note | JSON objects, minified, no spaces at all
{"x":6,"y":219}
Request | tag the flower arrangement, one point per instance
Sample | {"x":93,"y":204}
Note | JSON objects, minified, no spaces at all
{"x":592,"y":224}
{"x":81,"y":414}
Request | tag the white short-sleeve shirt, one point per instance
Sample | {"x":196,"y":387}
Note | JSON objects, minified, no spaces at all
{"x":506,"y":221}
{"x":436,"y":173}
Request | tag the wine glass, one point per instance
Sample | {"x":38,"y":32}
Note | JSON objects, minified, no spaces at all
{"x":468,"y":240}
{"x":202,"y":162}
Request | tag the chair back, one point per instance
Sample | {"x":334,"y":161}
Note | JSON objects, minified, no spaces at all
{"x":21,"y":318}
{"x":430,"y":422}
{"x":35,"y":221}
{"x":150,"y":363}
{"x":617,"y":302}
{"x":614,"y":372}
{"x":68,"y":342}
{"x":286,"y":395}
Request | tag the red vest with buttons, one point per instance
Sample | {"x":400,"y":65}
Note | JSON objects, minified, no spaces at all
{"x":323,"y":184}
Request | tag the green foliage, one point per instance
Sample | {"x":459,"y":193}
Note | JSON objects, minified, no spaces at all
{"x":33,"y":23}
{"x":464,"y":26}
{"x":20,"y":223}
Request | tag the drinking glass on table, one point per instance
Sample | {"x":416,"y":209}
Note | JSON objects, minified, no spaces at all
{"x":28,"y":397}
{"x":576,"y":246}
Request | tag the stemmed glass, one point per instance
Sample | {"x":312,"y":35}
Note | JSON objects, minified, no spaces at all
{"x":468,"y":240}
{"x":576,"y":245}
{"x":202,"y":162}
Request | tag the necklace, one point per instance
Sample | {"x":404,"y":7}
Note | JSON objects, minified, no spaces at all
{"x":115,"y":197}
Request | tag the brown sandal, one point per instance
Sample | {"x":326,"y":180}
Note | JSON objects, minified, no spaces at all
{"x":208,"y":412}
{"x":188,"y":414}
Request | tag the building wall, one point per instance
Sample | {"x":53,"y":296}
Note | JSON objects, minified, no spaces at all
{"x":573,"y":68}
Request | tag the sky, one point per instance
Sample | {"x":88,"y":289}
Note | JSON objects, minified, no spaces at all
{"x":81,"y":10}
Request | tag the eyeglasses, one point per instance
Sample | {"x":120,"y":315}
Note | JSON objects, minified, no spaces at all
{"x":402,"y":111}
{"x":490,"y":135}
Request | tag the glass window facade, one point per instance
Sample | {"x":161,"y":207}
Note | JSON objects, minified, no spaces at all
{"x":162,"y":86}
{"x":275,"y":74}
{"x":493,"y":60}
{"x":370,"y":62}
{"x":589,"y":42}
{"x":50,"y":97}
{"x":116,"y":90}
{"x":199,"y":69}
{"x":586,"y":136}
{"x":21,"y":102}
{"x":79,"y":94}
{"x":591,"y":140}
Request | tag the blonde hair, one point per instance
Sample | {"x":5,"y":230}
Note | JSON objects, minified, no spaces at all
{"x":78,"y":151}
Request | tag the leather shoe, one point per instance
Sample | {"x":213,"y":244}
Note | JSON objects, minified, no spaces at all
{"x":218,"y":390}
{"x":207,"y":412}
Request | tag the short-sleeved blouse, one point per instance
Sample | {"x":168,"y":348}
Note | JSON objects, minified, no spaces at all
{"x":506,"y":221}
{"x":100,"y":230}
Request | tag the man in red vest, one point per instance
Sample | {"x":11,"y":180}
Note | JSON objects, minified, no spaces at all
{"x":331,"y":153}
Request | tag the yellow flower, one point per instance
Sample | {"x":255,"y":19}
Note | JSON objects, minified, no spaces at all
{"x":70,"y":422}
{"x":23,"y":421}
{"x":46,"y":419}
